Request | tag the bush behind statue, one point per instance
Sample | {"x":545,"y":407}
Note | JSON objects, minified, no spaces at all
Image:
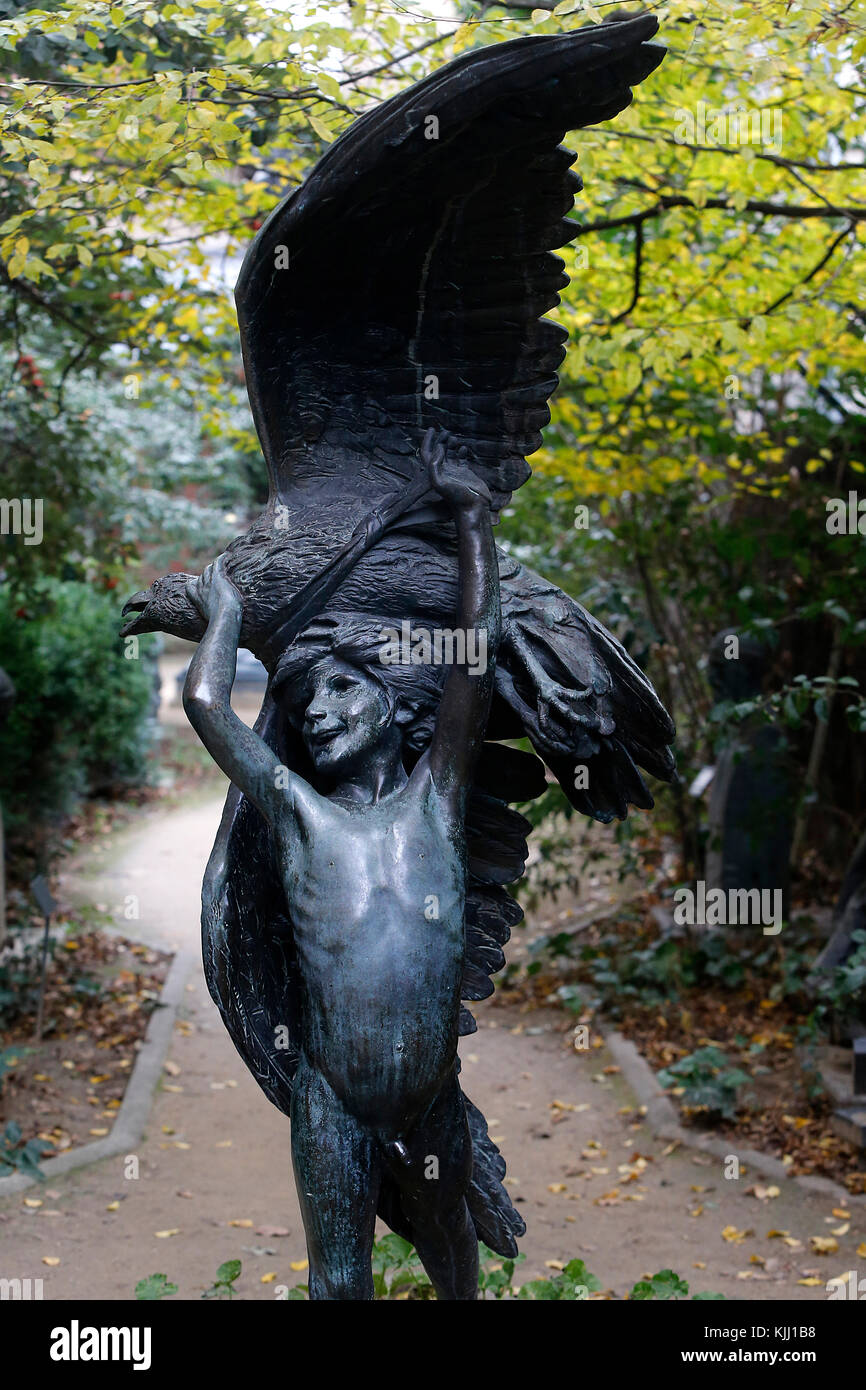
{"x":80,"y":722}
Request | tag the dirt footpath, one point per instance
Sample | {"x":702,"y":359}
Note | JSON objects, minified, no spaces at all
{"x":214,"y":1173}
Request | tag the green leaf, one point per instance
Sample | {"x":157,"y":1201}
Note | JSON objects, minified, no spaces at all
{"x":320,"y":128}
{"x":153,"y":1287}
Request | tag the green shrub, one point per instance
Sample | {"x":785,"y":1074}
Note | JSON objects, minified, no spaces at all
{"x":80,"y":722}
{"x":706,"y":1080}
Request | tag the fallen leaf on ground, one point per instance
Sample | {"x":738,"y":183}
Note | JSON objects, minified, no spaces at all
{"x":736,"y":1237}
{"x":51,"y":1260}
{"x":164,"y":1235}
{"x":824,"y":1245}
{"x":268,"y":1278}
{"x":298,"y":1265}
{"x":243,"y":1221}
{"x":762,"y":1193}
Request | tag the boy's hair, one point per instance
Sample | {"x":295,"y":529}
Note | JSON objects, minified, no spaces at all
{"x":414,"y":691}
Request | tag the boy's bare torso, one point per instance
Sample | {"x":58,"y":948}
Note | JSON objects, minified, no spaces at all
{"x":376,"y":894}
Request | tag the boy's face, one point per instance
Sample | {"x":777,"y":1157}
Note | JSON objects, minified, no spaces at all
{"x":345,"y":716}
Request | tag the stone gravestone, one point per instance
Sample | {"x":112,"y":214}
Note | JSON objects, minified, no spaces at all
{"x":751,"y":806}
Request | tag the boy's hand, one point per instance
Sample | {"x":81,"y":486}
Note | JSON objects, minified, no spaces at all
{"x":462,"y":489}
{"x":213,"y":592}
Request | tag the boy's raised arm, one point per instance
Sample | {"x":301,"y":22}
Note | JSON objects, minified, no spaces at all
{"x":465,"y":704}
{"x":242,"y":755}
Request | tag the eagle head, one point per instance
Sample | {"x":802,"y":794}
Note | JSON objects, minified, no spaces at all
{"x":164,"y":607}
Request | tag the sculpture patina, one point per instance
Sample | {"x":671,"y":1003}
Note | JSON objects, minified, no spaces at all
{"x":398,"y":373}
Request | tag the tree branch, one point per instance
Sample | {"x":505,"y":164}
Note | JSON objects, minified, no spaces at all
{"x":846,"y":231}
{"x":638,"y":256}
{"x":676,"y":200}
{"x":812,"y":168}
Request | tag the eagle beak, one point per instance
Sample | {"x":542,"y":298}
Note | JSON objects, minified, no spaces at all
{"x":136,"y":605}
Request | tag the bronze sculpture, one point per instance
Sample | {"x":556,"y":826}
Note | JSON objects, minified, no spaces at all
{"x":357,"y":888}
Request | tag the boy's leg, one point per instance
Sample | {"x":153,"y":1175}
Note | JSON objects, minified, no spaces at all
{"x":433,"y":1182}
{"x":337,"y":1175}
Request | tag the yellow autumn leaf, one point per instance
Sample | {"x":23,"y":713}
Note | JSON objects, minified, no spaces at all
{"x":268,"y":1278}
{"x":51,"y":1260}
{"x":243,"y":1222}
{"x":298,"y":1265}
{"x":736,"y":1237}
{"x":463,"y":37}
{"x":824,"y":1245}
{"x":164,"y":1235}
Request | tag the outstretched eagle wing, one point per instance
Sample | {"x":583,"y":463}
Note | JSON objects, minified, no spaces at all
{"x":402,"y":286}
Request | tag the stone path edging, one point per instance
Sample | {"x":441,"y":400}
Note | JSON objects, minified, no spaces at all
{"x":135,"y":1108}
{"x":663,"y":1120}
